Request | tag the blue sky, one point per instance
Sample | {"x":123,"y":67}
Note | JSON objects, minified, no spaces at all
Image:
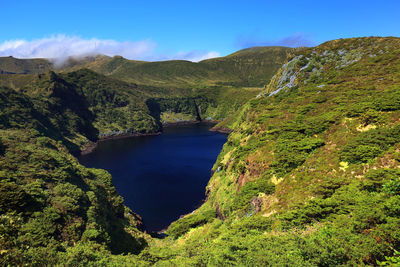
{"x":185,"y":29}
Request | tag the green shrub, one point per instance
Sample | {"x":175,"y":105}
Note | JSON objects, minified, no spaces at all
{"x":392,"y":206}
{"x":328,"y":186}
{"x":357,"y":109}
{"x":372,"y":116}
{"x":259,"y":223}
{"x":320,"y":99}
{"x":2,"y":148}
{"x":375,"y":180}
{"x":315,"y":210}
{"x":309,"y":125}
{"x":391,"y":260}
{"x":251,"y":190}
{"x":392,"y":187}
{"x":12,"y":197}
{"x":368,"y":145}
{"x":390,"y":101}
{"x":292,"y":150}
{"x":358,"y":153}
{"x":306,"y":108}
{"x":181,"y":226}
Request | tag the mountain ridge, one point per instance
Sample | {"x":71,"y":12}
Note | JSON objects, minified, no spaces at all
{"x":146,"y":72}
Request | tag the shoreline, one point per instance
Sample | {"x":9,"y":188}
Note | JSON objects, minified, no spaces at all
{"x":223,"y":130}
{"x":90,"y":147}
{"x":182,"y":123}
{"x":93,"y":145}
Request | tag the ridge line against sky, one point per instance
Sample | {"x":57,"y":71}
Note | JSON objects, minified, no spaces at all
{"x":190,"y":30}
{"x":62,"y":46}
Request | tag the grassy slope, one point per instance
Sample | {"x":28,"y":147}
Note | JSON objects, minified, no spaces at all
{"x":220,"y":85}
{"x":24,"y":66}
{"x":115,"y":105}
{"x":310,"y":175}
{"x":251,"y":67}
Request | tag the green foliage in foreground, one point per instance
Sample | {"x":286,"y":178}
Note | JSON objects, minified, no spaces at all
{"x":51,"y":203}
{"x":321,"y":233}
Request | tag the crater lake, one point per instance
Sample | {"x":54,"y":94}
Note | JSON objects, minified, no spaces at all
{"x":160,"y":177}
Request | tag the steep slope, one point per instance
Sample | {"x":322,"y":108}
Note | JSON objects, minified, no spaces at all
{"x":115,"y":106}
{"x":310,"y":174}
{"x":49,"y":203}
{"x":125,"y":108}
{"x":119,"y":107}
{"x":57,"y":108}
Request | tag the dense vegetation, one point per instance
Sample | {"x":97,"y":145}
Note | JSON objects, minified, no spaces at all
{"x":308,"y":177}
{"x":49,"y":204}
{"x":325,"y":133}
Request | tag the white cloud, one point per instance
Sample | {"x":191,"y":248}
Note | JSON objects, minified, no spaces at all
{"x":61,"y":46}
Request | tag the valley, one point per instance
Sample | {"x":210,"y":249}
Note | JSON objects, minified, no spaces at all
{"x":308,"y":176}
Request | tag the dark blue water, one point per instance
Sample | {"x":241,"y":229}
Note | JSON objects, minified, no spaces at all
{"x":160,"y":177}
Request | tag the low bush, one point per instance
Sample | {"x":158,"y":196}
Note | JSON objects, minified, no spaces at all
{"x":292,"y":150}
{"x":251,"y":190}
{"x":180,"y":227}
{"x":368,"y":145}
{"x":375,"y":180}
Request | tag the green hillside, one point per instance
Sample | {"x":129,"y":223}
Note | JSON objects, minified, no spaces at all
{"x":251,"y":67}
{"x":49,"y":203}
{"x":125,"y":108}
{"x":309,"y":175}
{"x":24,"y":66}
{"x":219,"y":86}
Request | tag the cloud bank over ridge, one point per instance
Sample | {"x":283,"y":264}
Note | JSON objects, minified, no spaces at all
{"x":60,"y":47}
